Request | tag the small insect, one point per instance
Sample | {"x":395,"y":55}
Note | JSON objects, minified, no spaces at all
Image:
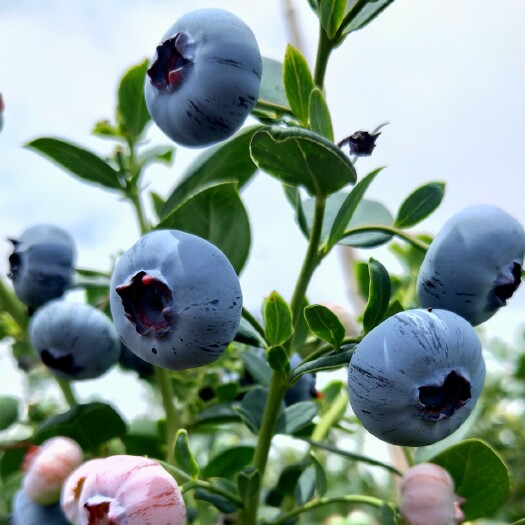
{"x":361,"y":143}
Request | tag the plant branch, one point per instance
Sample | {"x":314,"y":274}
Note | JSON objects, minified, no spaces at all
{"x":416,"y":243}
{"x":314,"y":504}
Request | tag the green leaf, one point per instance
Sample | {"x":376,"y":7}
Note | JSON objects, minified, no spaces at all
{"x":278,"y":359}
{"x":358,"y":18}
{"x":163,"y":154}
{"x":144,"y":439}
{"x":479,"y":474}
{"x":378,"y":295}
{"x":221,"y":414}
{"x":218,"y":215}
{"x":228,"y":161}
{"x":132,"y":113}
{"x":78,"y":161}
{"x":298,"y":83}
{"x":248,"y":483}
{"x":420,"y":204}
{"x":331,"y":15}
{"x":321,"y":479}
{"x":158,"y":203}
{"x":8,"y":411}
{"x":247,"y":335}
{"x":319,"y":115}
{"x":183,"y":455}
{"x":299,"y":157}
{"x":325,"y":324}
{"x":287,"y":482}
{"x":368,"y":212}
{"x":229,"y":462}
{"x":348,"y":208}
{"x":297,"y":416}
{"x":327,"y":362}
{"x":257,"y":366}
{"x":89,"y":424}
{"x":272,"y":91}
{"x":104,"y":128}
{"x":11,"y":461}
{"x":251,"y":409}
{"x":220,"y":501}
{"x":277,"y":320}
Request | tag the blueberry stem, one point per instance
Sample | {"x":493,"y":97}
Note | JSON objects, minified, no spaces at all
{"x":320,"y":502}
{"x":166,"y":390}
{"x":67,"y":391}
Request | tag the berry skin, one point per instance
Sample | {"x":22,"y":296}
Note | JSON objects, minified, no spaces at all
{"x":427,"y":497}
{"x":26,"y":512}
{"x":122,"y":490}
{"x":75,"y":340}
{"x":415,"y":378}
{"x":48,"y":467}
{"x":205,"y":78}
{"x":42,"y":264}
{"x":473,"y":264}
{"x":176,"y":300}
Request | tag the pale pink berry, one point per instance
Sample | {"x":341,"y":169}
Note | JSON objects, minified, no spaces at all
{"x":48,"y":466}
{"x":428,"y":498}
{"x":123,"y":490}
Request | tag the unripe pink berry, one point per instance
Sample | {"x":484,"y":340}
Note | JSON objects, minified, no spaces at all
{"x":48,"y":466}
{"x":122,"y":490}
{"x":428,"y":498}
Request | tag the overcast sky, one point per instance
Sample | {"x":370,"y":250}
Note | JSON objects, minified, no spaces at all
{"x":447,"y":75}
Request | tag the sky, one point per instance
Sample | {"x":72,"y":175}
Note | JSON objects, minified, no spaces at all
{"x":447,"y":76}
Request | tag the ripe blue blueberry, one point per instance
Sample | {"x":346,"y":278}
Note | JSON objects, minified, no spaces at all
{"x":205,"y":78}
{"x":303,"y":389}
{"x":75,"y":340}
{"x":26,"y":512}
{"x":41,"y":265}
{"x":176,"y":300}
{"x":415,"y":378}
{"x":473,"y":264}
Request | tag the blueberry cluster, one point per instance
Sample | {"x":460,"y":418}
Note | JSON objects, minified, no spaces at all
{"x":415,"y":378}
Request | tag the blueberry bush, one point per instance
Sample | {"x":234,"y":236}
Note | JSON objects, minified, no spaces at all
{"x":241,"y":427}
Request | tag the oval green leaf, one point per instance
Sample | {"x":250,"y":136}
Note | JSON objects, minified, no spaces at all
{"x":299,"y":157}
{"x":183,"y":455}
{"x":420,"y":204}
{"x":378,"y":295}
{"x":216,"y":214}
{"x":298,"y":83}
{"x":8,"y":411}
{"x":132,"y":113}
{"x":479,"y":474}
{"x":78,"y":161}
{"x":228,"y":161}
{"x":278,"y":326}
{"x":319,"y":115}
{"x":325,"y":324}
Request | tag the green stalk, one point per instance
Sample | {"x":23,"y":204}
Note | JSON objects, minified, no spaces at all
{"x":358,"y":500}
{"x":278,"y":385}
{"x":67,"y":391}
{"x":311,"y":260}
{"x":324,"y":48}
{"x":166,"y":390}
{"x":279,"y":380}
{"x":253,"y":321}
{"x":416,"y":243}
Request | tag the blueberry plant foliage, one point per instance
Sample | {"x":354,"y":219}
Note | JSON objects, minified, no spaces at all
{"x":221,"y":433}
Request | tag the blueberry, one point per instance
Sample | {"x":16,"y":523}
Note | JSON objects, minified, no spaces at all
{"x":74,"y":340}
{"x":303,"y":389}
{"x":415,"y":378}
{"x":176,"y":300}
{"x":42,"y":264}
{"x":473,"y":265}
{"x":205,"y":78}
{"x":25,"y":512}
